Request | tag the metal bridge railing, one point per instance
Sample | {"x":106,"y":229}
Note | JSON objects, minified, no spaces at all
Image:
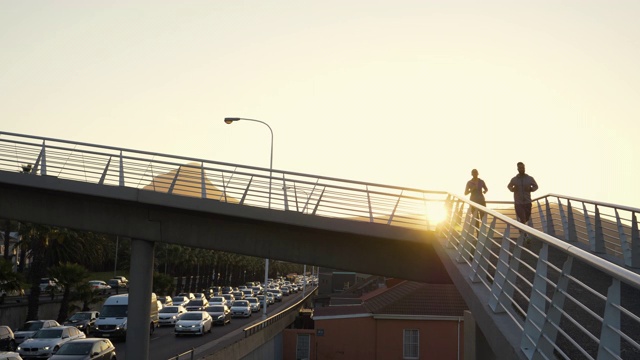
{"x":561,"y":301}
{"x":225,"y":182}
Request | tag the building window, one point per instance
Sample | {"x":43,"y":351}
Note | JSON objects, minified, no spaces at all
{"x":303,"y":347}
{"x":411,"y":344}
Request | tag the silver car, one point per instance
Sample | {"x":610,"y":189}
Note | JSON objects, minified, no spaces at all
{"x":193,"y":322}
{"x":29,"y":328}
{"x":240,"y":308}
{"x":46,"y":342}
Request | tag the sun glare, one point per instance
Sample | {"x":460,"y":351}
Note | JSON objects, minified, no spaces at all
{"x":436,"y":213}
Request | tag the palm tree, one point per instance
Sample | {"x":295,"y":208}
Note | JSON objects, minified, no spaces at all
{"x":9,"y":280}
{"x":69,"y":276}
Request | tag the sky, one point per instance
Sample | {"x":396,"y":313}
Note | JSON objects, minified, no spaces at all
{"x":406,"y":93}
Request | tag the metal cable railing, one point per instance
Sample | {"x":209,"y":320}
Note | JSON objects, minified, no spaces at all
{"x":563,"y":301}
{"x":225,"y":182}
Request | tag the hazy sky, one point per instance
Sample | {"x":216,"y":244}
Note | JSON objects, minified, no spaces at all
{"x":407,"y":93}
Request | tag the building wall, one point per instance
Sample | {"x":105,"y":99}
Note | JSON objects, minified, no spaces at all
{"x":289,"y":342}
{"x":438,"y":338}
{"x":366,"y":338}
{"x":346,"y":339}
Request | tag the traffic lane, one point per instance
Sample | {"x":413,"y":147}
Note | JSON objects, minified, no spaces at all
{"x":164,"y":344}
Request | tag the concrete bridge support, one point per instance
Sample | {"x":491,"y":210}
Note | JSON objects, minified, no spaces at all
{"x":141,"y":283}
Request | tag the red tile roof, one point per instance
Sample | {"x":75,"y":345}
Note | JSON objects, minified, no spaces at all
{"x":413,"y":298}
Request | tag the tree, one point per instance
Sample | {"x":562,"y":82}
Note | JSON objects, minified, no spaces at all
{"x":162,"y":283}
{"x":69,"y":276}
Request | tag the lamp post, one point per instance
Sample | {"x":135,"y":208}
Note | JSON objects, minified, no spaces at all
{"x":231,"y":120}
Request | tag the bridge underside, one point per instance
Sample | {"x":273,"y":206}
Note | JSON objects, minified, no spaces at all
{"x":350,"y":245}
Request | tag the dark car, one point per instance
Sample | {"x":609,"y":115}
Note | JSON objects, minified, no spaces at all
{"x":221,"y":314}
{"x":86,"y":349}
{"x":85,"y":321}
{"x":116,"y":283}
{"x":7,"y":341}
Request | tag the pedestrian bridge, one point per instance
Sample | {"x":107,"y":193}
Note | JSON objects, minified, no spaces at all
{"x":563,"y":286}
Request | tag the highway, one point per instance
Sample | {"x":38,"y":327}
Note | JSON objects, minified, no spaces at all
{"x":164,"y":344}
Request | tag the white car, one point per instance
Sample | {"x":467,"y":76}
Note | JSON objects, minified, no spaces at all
{"x":169,"y":314}
{"x":99,"y":286}
{"x":277,"y":294}
{"x":180,"y":300}
{"x":254,"y":303}
{"x":193,"y":322}
{"x":31,"y":327}
{"x":218,"y":300}
{"x":240,"y":308}
{"x":46,"y":342}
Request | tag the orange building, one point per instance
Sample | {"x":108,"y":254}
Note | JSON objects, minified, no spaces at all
{"x":404,"y":320}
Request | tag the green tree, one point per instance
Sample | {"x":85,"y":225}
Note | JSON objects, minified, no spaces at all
{"x":69,"y":276}
{"x":162,"y":283}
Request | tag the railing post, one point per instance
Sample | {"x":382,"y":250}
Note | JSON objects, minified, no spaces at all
{"x":480,"y":262}
{"x":504,"y":279}
{"x":43,"y":167}
{"x":552,"y":321}
{"x":599,"y":236}
{"x":202,"y":181}
{"x":609,"y":347}
{"x":465,"y":243}
{"x":536,"y":311}
{"x":121,"y":176}
{"x":635,"y":242}
{"x":573,"y":235}
{"x":549,"y":228}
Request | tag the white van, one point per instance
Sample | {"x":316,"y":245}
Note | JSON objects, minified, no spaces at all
{"x":112,"y":322}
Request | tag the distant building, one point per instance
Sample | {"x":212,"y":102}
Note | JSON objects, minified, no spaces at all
{"x":394,"y":319}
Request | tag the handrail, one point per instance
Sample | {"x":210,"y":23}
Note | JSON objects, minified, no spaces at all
{"x":225,"y":182}
{"x":556,"y":298}
{"x":248,"y":331}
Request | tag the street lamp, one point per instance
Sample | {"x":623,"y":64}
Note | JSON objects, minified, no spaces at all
{"x":230,"y":120}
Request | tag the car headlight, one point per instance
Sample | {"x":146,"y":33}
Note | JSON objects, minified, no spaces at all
{"x":220,"y":317}
{"x":46,"y":347}
{"x":19,"y":348}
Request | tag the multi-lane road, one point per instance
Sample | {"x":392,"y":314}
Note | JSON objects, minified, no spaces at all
{"x":164,"y":344}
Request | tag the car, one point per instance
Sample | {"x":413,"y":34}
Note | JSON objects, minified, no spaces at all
{"x":254,"y":303}
{"x":217,"y":300}
{"x":277,"y":294}
{"x":47,"y":284}
{"x":197,"y":304}
{"x":30,"y":327}
{"x":241,"y":308}
{"x":227,"y":289}
{"x":9,"y":355}
{"x":85,"y":321}
{"x":263,"y":300}
{"x":115,"y":284}
{"x":46,"y":342}
{"x":169,"y":314}
{"x":180,"y":300}
{"x":239,"y":295}
{"x":86,"y":349}
{"x":99,"y":286}
{"x":198,"y":296}
{"x":188,"y":295}
{"x":123,"y":280}
{"x":7,"y":340}
{"x":248,"y":293}
{"x":221,"y":314}
{"x":193,"y":322}
{"x":229,"y":297}
{"x":165,"y":300}
{"x":285,"y":290}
